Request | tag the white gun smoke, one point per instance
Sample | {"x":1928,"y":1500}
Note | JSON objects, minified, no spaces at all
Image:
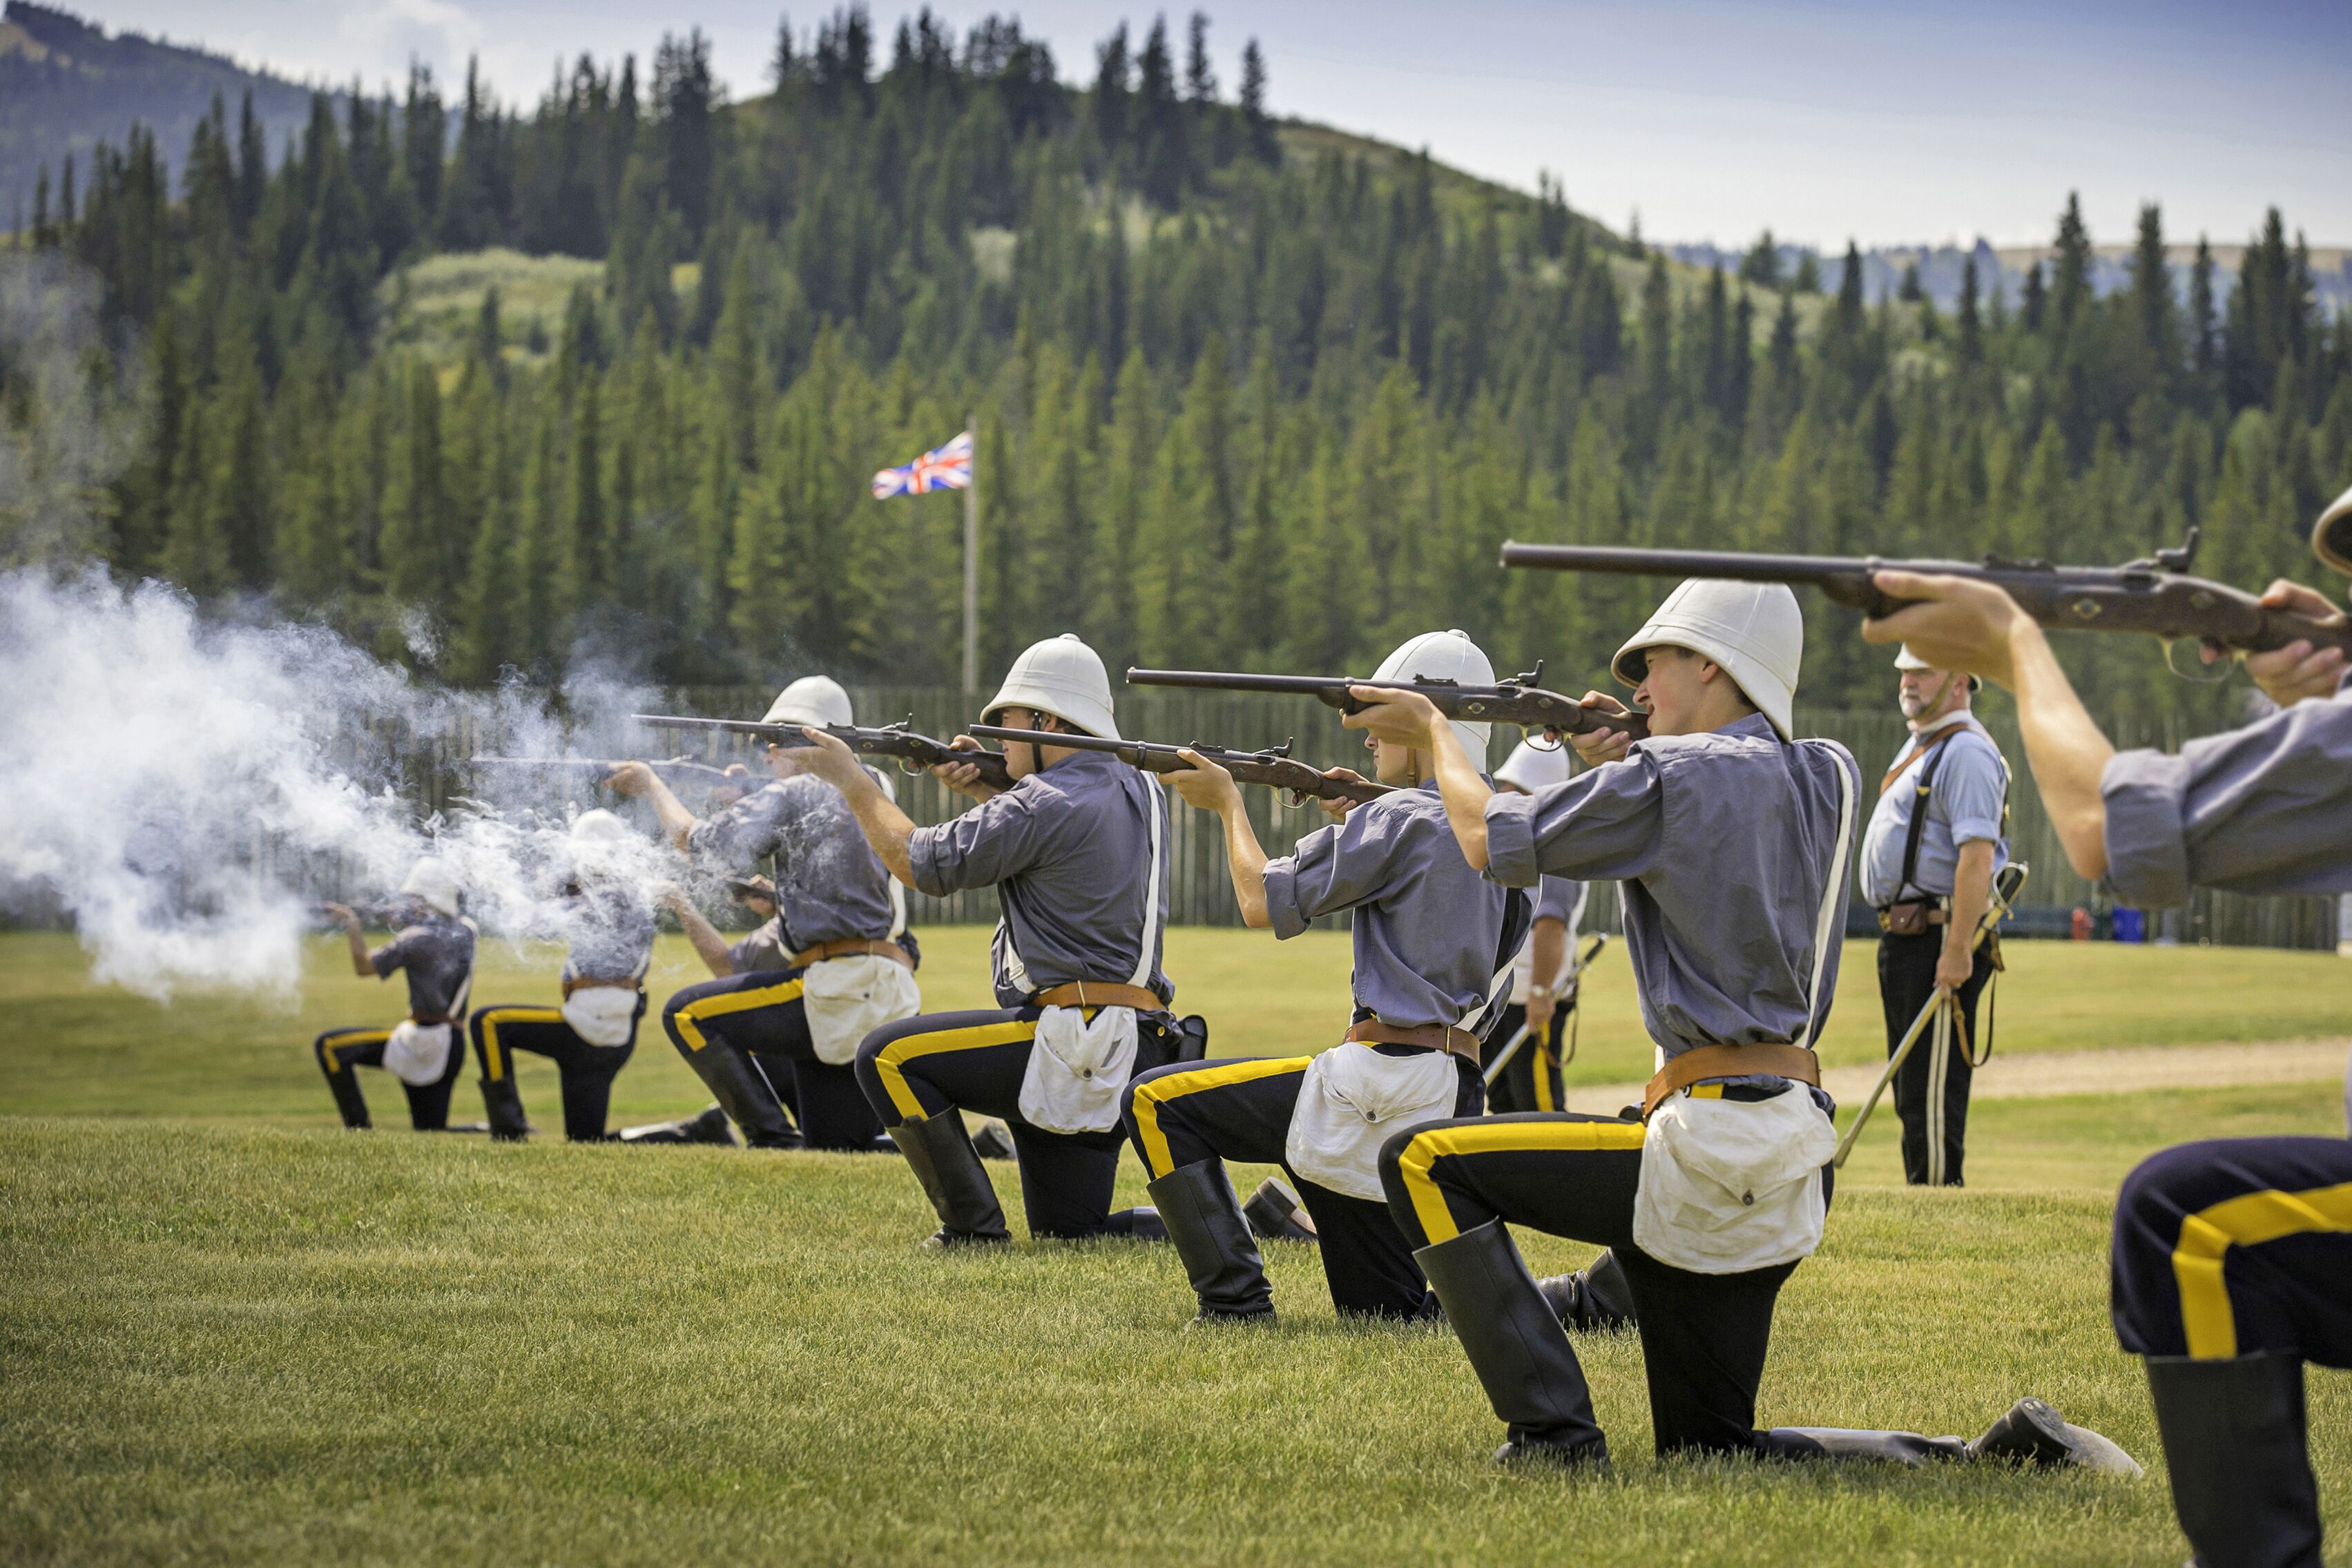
{"x":174,"y":783}
{"x":177,"y":785}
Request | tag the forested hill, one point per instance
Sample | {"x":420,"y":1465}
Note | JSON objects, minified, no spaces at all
{"x":66,"y":86}
{"x":1245,"y":393}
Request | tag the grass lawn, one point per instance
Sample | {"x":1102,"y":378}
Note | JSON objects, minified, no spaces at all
{"x":231,"y":1333}
{"x":83,"y":1050}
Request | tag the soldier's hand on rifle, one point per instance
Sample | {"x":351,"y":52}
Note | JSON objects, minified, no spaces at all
{"x":1602,"y":745}
{"x":2289,"y":674}
{"x":1337,"y":810}
{"x":1400,"y":717}
{"x":634,"y":779}
{"x":1957,"y":624}
{"x":341,"y":914}
{"x":964,"y":778}
{"x":1205,"y":784}
{"x":831,"y":761}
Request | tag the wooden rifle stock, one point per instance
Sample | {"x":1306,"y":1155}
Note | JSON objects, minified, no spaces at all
{"x":913,"y":751}
{"x":1274,"y":767}
{"x":1517,"y":701}
{"x":2155,"y":595}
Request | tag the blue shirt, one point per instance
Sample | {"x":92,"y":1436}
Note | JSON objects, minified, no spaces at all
{"x":1964,"y":806}
{"x":1069,"y":853}
{"x":830,"y":884}
{"x":1431,"y":935}
{"x":2265,"y":809}
{"x":1723,"y":842}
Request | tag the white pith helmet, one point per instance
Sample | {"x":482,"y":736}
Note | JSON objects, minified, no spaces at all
{"x":812,"y":699}
{"x":2331,"y":536}
{"x":1904,"y":659}
{"x":1061,"y":676}
{"x":599,"y":826}
{"x":1446,"y":656}
{"x":1753,"y":629}
{"x":1534,"y":768}
{"x":432,"y":881}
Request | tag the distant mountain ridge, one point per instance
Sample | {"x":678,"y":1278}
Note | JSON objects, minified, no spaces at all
{"x":66,"y":85}
{"x":1941,"y":267}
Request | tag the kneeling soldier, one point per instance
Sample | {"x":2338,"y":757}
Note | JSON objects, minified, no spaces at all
{"x":848,"y":965}
{"x":609,"y":929}
{"x":1432,"y":952}
{"x":1731,"y":842}
{"x":434,"y":950}
{"x":1076,"y":850}
{"x":2231,"y":1257}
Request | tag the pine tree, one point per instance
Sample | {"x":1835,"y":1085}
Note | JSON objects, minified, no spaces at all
{"x":1256,"y":124}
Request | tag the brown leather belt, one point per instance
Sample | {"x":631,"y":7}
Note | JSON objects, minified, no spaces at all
{"x":851,"y":947}
{"x":1433,"y":1036}
{"x":1772,"y":1059}
{"x":1911,"y":918}
{"x":1099,"y":994}
{"x":571,"y":986}
{"x":431,"y":1021}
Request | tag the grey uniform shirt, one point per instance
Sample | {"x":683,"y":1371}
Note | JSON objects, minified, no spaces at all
{"x":1069,"y":853}
{"x":610,"y":930}
{"x":2265,"y":809}
{"x":830,"y":885}
{"x":1723,"y":841}
{"x":1964,"y":806}
{"x":1431,"y":935}
{"x":764,"y":948}
{"x":436,"y":955}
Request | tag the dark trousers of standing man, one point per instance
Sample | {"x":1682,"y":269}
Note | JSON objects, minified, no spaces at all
{"x":1530,"y":1081}
{"x":1931,"y":1094}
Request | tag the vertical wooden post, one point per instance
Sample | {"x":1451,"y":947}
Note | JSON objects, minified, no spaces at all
{"x":972,"y":571}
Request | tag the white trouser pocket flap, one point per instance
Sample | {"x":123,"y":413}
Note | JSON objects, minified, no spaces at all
{"x":848,"y":999}
{"x":1350,"y":1101}
{"x":418,"y":1053}
{"x":1729,"y":1185}
{"x":1078,"y":1069}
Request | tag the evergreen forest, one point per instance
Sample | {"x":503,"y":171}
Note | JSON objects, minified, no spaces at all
{"x":1247,"y":394}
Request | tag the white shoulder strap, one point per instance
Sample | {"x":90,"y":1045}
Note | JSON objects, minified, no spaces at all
{"x":1155,"y":807}
{"x":1832,"y":885}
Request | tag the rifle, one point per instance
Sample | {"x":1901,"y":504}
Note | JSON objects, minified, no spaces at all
{"x":675,"y":769}
{"x":1518,"y":701}
{"x":2153,"y":594}
{"x":914,"y":752}
{"x":1273,"y":768}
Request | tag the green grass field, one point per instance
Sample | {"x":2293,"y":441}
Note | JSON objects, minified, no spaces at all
{"x":231,"y":1331}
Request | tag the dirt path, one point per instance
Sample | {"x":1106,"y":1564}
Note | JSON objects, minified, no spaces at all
{"x":2046,"y":1073}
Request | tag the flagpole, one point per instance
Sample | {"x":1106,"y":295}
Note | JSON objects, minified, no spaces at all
{"x":971,"y":569}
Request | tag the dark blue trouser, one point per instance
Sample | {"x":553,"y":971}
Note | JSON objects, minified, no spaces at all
{"x":2235,"y":1246}
{"x":340,"y":1050}
{"x":937,"y":1063}
{"x":764,"y":1016}
{"x":1189,"y":1111}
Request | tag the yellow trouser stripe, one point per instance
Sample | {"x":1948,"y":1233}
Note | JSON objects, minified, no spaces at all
{"x":1490,"y":1138}
{"x":494,"y":1056}
{"x":1152,"y":1094}
{"x":341,"y":1038}
{"x":891,"y":1061}
{"x":2244,"y":1221}
{"x":718,"y":1005}
{"x":1543,"y":1079}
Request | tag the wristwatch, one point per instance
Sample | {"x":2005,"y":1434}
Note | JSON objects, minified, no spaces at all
{"x":1543,"y":993}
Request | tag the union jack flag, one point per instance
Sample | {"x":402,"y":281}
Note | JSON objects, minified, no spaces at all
{"x":947,"y":469}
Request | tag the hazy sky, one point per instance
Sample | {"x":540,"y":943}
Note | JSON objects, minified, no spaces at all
{"x":1930,"y":120}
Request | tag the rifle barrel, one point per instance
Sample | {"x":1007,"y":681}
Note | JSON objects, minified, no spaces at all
{"x":1272,"y":771}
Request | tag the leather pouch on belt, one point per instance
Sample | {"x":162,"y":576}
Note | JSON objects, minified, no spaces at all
{"x":1906,"y":919}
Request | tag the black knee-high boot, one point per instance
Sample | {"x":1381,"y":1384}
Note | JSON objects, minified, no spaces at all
{"x":2030,"y":1433}
{"x":343,"y":1084}
{"x":1203,"y":1217}
{"x":735,"y":1082}
{"x":941,"y":1154}
{"x":503,"y":1101}
{"x":2235,"y":1441}
{"x":1596,"y":1298}
{"x":1516,"y":1346}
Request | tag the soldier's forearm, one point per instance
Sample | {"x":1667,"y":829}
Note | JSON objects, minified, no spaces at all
{"x":2065,"y":750}
{"x":1245,"y":859}
{"x":1971,"y":896}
